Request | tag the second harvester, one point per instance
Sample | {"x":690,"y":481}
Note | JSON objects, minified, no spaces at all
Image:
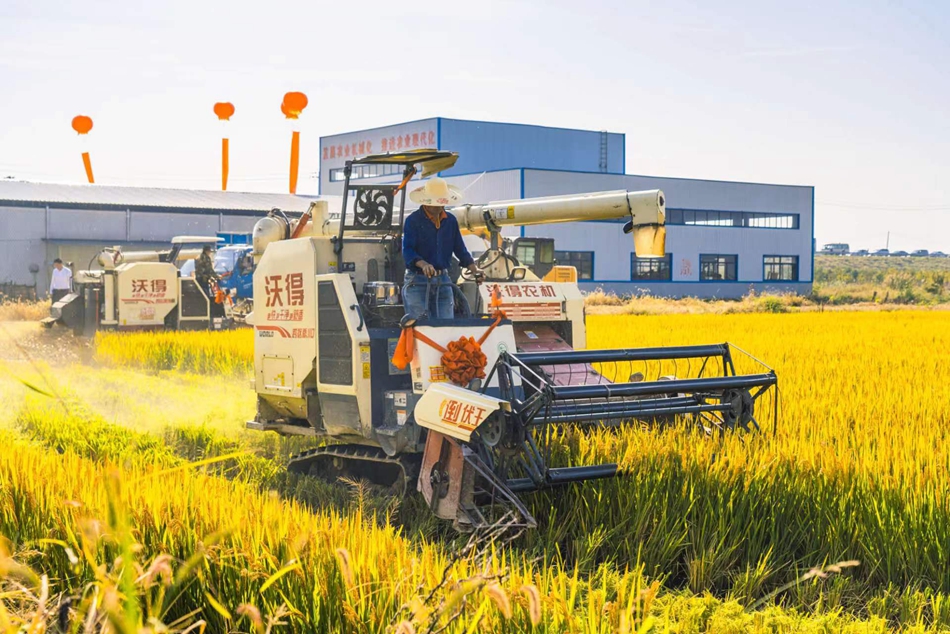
{"x":469,"y":416}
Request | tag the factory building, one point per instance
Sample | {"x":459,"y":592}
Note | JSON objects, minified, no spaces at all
{"x":41,"y":222}
{"x":724,"y":238}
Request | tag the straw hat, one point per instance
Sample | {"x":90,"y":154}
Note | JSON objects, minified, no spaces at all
{"x":437,"y":193}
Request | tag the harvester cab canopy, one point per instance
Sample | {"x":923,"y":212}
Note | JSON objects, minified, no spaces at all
{"x":431,"y":160}
{"x":180,"y":243}
{"x":196,"y":240}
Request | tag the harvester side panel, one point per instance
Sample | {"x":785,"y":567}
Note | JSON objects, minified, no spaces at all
{"x":147,"y":293}
{"x":285,"y":326}
{"x":344,"y":360}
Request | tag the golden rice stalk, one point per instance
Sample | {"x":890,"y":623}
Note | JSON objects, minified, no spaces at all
{"x":343,"y":555}
{"x":498,"y":595}
{"x":253,"y":614}
{"x":530,"y":591}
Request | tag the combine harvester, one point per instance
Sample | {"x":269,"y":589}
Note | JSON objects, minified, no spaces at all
{"x":142,"y":290}
{"x":468,"y":412}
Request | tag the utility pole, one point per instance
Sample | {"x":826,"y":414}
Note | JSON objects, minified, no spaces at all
{"x":887,"y":244}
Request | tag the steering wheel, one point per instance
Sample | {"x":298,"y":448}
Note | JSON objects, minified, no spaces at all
{"x":466,"y":275}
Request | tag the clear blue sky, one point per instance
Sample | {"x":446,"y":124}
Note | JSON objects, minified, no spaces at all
{"x":850,"y":97}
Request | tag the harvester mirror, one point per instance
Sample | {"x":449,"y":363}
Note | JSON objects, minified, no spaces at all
{"x":407,"y":321}
{"x":372,"y":207}
{"x":518,"y":273}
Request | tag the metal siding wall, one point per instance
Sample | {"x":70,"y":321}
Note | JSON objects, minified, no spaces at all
{"x":613,"y":249}
{"x":17,"y":223}
{"x":615,"y":153}
{"x":161,"y":227}
{"x":16,"y":258}
{"x":238,"y":223}
{"x":21,"y":244}
{"x":85,"y":224}
{"x":498,"y":146}
{"x":489,"y":187}
{"x":681,"y":193}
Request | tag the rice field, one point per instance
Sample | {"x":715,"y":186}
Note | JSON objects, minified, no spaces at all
{"x":701,"y":536}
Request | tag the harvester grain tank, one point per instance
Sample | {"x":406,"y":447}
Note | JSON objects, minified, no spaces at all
{"x":463,"y":410}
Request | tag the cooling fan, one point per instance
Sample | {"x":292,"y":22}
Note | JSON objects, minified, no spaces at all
{"x":373,"y":208}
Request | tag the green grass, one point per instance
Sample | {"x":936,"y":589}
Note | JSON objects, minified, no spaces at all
{"x":885,"y":280}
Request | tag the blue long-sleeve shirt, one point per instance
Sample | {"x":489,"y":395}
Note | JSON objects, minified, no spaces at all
{"x":422,"y":240}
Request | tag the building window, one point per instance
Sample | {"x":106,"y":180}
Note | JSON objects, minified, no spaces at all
{"x":732,"y":219}
{"x":365,"y":171}
{"x":583,"y":261}
{"x":718,"y":267}
{"x":651,"y":268}
{"x":781,"y":267}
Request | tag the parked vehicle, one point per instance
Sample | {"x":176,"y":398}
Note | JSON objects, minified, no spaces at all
{"x":920,"y":253}
{"x":883,"y":252}
{"x":835,"y":248}
{"x":860,"y":253}
{"x":938,"y":254}
{"x":899,"y":254}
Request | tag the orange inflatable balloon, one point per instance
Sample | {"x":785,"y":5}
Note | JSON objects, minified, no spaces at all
{"x":224,"y":110}
{"x":82,"y":124}
{"x":293,"y":105}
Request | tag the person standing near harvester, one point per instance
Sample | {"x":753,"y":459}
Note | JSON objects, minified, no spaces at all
{"x":60,"y":281}
{"x":429,"y":240}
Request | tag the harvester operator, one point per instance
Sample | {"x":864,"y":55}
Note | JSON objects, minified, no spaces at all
{"x":204,"y":271}
{"x":429,"y":240}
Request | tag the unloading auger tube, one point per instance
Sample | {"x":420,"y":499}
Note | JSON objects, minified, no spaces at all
{"x":474,"y":477}
{"x":645,"y":211}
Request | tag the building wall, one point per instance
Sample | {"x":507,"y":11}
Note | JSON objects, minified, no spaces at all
{"x":497,"y":146}
{"x":612,"y":248}
{"x":37,"y":235}
{"x":482,"y":146}
{"x":335,"y":150}
{"x":22,"y":244}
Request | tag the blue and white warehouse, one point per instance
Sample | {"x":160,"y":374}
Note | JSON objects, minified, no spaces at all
{"x":724,"y":238}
